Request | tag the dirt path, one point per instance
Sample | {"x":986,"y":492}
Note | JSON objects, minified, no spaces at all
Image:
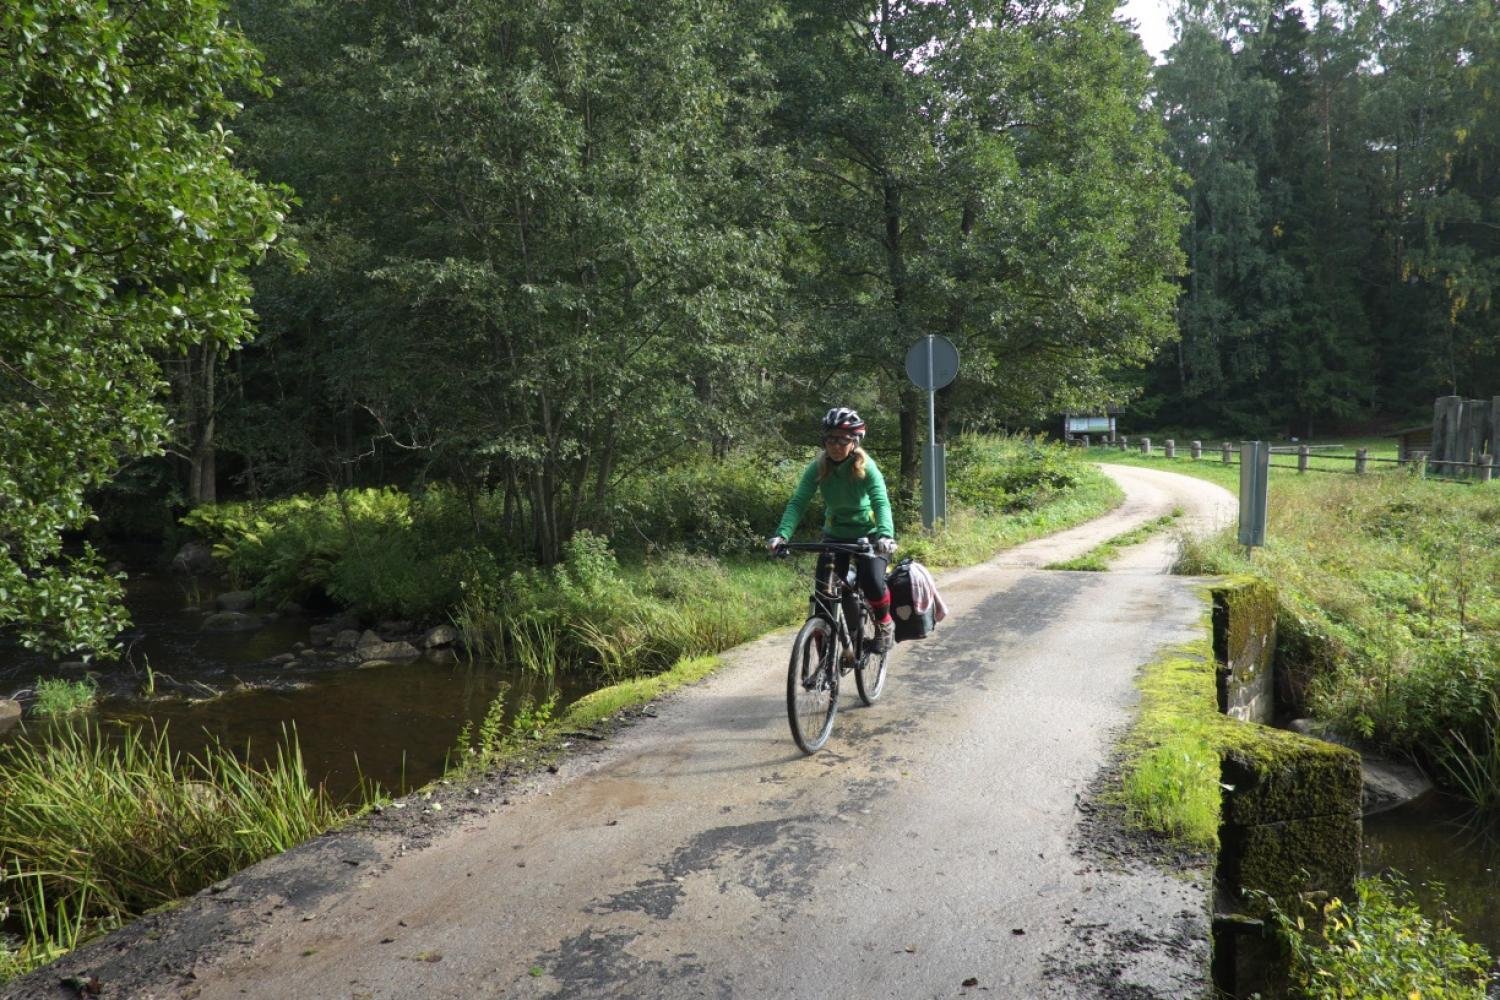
{"x":933,"y":850}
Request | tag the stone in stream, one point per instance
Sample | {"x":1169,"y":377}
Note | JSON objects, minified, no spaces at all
{"x":284,"y":658}
{"x":10,"y":713}
{"x":194,"y":559}
{"x":443,"y":635}
{"x":368,"y":651}
{"x":230,"y":621}
{"x":236,"y":600}
{"x":348,"y":639}
{"x":1388,"y":784}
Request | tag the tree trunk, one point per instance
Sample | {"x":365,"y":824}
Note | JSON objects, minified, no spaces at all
{"x":911,"y":472}
{"x":202,"y":366}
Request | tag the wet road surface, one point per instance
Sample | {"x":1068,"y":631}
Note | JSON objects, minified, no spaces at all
{"x":929,"y":851}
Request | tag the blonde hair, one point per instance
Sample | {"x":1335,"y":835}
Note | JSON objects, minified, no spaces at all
{"x":826,"y":464}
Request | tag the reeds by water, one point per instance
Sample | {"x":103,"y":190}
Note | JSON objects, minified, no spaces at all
{"x":95,"y":829}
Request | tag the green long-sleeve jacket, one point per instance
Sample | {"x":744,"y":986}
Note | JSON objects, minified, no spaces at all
{"x":852,"y":507}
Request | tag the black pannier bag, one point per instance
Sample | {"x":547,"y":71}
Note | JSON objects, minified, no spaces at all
{"x":910,"y":623}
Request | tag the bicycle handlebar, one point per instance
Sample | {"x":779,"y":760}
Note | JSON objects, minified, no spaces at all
{"x":859,"y":548}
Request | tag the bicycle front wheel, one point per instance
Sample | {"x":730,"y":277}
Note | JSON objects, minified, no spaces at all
{"x":869,"y":675}
{"x":812,"y":685}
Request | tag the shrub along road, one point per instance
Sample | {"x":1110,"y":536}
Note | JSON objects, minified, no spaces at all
{"x":940,"y":845}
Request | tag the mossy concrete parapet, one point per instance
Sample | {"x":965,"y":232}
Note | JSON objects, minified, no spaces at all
{"x":1290,"y":813}
{"x":1244,"y":617}
{"x":1289,"y":805}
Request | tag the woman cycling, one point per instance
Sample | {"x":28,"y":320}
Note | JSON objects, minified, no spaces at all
{"x":856,"y":506}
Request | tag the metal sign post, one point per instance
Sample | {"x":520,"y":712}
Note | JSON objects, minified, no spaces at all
{"x":1255,"y":477}
{"x":932,"y":363}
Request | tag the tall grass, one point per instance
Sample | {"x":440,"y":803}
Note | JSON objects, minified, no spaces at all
{"x":1390,"y":609}
{"x":95,"y":830}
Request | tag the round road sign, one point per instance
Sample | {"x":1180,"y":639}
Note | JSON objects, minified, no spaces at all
{"x":939,"y":371}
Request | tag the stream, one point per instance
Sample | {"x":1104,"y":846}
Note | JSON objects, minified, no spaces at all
{"x":394,"y":724}
{"x":1436,"y":840}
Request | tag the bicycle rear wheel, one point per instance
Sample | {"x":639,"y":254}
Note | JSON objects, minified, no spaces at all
{"x":812,"y":685}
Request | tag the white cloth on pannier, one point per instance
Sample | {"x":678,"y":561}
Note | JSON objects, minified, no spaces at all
{"x":924,"y":593}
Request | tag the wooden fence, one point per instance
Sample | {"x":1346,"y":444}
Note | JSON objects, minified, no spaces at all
{"x":1418,"y":462}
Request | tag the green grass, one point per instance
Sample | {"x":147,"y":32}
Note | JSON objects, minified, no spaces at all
{"x":57,"y":697}
{"x":1389,"y":586}
{"x":1097,"y":559}
{"x":1170,"y":776}
{"x":95,"y":831}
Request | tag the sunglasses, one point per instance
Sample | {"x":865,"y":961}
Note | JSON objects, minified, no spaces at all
{"x":839,"y":439}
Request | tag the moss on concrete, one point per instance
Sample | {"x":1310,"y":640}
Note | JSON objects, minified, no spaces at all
{"x":1272,"y":775}
{"x":1288,"y":820}
{"x":1290,"y":811}
{"x":1288,"y":861}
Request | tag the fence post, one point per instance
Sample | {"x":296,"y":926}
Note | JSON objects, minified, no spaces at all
{"x":1302,"y":452}
{"x":1085,"y":439}
{"x":1486,"y":467}
{"x":1226,"y":453}
{"x":1145,"y":446}
{"x":1361,"y":458}
{"x":1124,"y":441}
{"x":1419,"y":463}
{"x":1197,"y":449}
{"x":1171,"y":448}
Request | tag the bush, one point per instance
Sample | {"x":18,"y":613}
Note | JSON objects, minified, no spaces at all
{"x":1007,"y":475}
{"x":1384,"y":947}
{"x":721,"y":507}
{"x":379,"y":552}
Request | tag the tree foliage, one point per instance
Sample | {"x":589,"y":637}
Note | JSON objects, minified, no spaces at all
{"x":1342,"y":247}
{"x":551,"y":247}
{"x":126,"y":232}
{"x":984,"y":171}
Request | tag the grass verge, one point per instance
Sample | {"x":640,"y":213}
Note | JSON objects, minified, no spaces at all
{"x":1097,"y":559}
{"x":1170,"y":777}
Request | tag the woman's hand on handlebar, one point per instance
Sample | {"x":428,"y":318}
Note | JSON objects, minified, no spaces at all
{"x":776,"y":545}
{"x":885,"y":546}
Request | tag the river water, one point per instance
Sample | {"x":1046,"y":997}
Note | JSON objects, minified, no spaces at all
{"x":394,"y":724}
{"x":1437,"y":840}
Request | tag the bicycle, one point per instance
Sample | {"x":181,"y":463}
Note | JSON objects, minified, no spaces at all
{"x":812,"y":680}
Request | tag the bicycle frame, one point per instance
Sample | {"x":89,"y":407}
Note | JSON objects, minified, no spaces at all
{"x":813,"y":683}
{"x":828,"y":595}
